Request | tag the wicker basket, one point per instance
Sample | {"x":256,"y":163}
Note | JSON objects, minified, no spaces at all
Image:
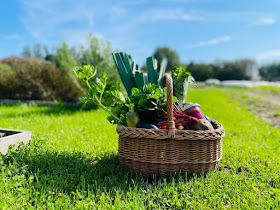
{"x":159,"y":151}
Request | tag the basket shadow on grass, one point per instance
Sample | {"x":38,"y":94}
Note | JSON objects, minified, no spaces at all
{"x":72,"y":172}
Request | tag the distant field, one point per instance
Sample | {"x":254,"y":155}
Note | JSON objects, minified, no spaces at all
{"x":72,"y":162}
{"x":262,"y":101}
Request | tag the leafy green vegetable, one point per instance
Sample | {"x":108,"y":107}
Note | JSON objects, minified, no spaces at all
{"x":161,"y":73}
{"x":152,"y":66}
{"x":132,"y":76}
{"x":144,"y":95}
{"x":124,"y":66}
{"x":150,"y":97}
{"x":181,"y":79}
{"x":139,"y":79}
{"x":97,"y":89}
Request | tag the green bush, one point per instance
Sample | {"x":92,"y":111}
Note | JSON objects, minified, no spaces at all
{"x":234,"y":70}
{"x":201,"y":71}
{"x":270,"y":71}
{"x":33,"y":79}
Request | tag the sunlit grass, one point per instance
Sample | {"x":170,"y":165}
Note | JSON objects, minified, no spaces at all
{"x":72,"y":163}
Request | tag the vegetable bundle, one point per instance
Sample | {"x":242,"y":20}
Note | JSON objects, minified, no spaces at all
{"x":132,"y":76}
{"x":145,"y":106}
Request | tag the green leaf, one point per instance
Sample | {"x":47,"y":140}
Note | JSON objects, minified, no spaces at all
{"x":127,"y":82}
{"x":104,"y":78}
{"x":135,"y":91}
{"x":118,"y":95}
{"x":142,"y":102}
{"x":151,"y":65}
{"x":139,"y":79}
{"x":163,"y":66}
{"x":174,"y":99}
{"x":181,"y":78}
{"x":85,"y":73}
{"x":146,"y":78}
{"x":127,"y":61}
{"x":84,"y":100}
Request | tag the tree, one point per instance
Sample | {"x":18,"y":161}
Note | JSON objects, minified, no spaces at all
{"x":65,"y":57}
{"x":242,"y":69}
{"x":37,"y":51}
{"x":99,"y":54}
{"x":270,"y":71}
{"x":249,"y":67}
{"x":26,"y":52}
{"x":202,"y":71}
{"x":52,"y":58}
{"x":46,"y":49}
{"x":171,"y":55}
{"x":235,"y":70}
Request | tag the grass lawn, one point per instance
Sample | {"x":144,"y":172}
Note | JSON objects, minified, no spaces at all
{"x":72,"y":162}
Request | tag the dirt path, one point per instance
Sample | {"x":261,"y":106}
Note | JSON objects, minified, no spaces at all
{"x":264,"y":103}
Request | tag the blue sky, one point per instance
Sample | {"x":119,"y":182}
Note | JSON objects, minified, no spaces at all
{"x":199,"y":30}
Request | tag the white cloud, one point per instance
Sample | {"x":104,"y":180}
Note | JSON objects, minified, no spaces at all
{"x":175,"y":14}
{"x":52,"y":21}
{"x":270,"y":54}
{"x":15,"y":36}
{"x":265,"y":21}
{"x":45,"y":19}
{"x":214,"y":41}
{"x":168,"y":14}
{"x":124,"y":23}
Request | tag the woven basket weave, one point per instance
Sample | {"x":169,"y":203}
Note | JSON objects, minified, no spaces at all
{"x":160,"y":152}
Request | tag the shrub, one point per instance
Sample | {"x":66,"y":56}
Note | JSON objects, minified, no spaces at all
{"x":201,"y":71}
{"x":33,"y":79}
{"x":270,"y":71}
{"x":236,"y":70}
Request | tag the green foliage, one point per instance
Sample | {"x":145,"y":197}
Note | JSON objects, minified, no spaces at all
{"x":162,"y":69}
{"x":151,"y":65}
{"x":150,"y":97}
{"x":4,"y":66}
{"x":37,"y":52}
{"x":119,"y":110}
{"x":172,"y":57}
{"x":72,"y":163}
{"x":269,"y":88}
{"x":125,"y":71}
{"x":97,"y":88}
{"x":132,"y":76}
{"x":181,"y":78}
{"x":66,"y":58}
{"x":99,"y":54}
{"x":29,"y":79}
{"x":139,"y":79}
{"x":235,"y":70}
{"x":85,"y":73}
{"x":202,"y":72}
{"x":26,"y":52}
{"x":52,"y":58}
{"x":270,"y":72}
{"x":94,"y":52}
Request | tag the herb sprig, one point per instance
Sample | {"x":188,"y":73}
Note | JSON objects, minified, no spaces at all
{"x":97,"y":89}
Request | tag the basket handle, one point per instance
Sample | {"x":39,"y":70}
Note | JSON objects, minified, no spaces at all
{"x":168,"y":82}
